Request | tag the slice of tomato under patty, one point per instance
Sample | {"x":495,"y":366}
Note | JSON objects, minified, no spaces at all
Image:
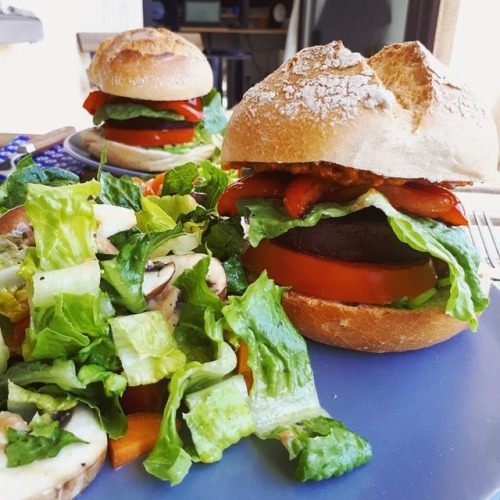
{"x":149,"y":138}
{"x":337,"y":280}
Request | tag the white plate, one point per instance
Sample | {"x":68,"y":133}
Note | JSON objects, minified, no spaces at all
{"x":74,"y":146}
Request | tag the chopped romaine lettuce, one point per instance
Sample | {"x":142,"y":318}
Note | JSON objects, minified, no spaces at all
{"x":169,"y":460}
{"x":4,"y":354}
{"x":63,"y":222}
{"x":324,"y":447}
{"x":283,"y":396}
{"x":43,"y":401}
{"x":146,"y":347}
{"x":61,"y":372}
{"x":63,"y":328}
{"x":124,"y":274}
{"x":218,"y":417}
{"x":79,"y":279}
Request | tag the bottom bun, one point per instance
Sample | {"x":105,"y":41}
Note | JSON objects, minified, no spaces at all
{"x":371,"y":328}
{"x":64,"y":476}
{"x":142,"y":159}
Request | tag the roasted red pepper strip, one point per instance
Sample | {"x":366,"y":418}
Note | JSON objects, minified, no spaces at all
{"x":425,"y":200}
{"x":302,"y":192}
{"x":261,"y":185}
{"x":95,"y":100}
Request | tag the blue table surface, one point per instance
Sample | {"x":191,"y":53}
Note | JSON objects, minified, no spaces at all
{"x":432,"y":417}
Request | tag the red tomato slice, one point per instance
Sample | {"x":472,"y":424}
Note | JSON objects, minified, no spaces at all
{"x":425,"y":200}
{"x":302,"y":192}
{"x":262,"y":185}
{"x":337,"y":280}
{"x":148,"y":138}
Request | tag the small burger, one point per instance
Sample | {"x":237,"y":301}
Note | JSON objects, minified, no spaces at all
{"x":155,"y":107}
{"x":348,"y":167}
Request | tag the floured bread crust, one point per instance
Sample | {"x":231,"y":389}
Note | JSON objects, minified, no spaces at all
{"x":153,"y":64}
{"x":397,"y":114}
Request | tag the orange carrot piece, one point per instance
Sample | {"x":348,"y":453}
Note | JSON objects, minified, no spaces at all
{"x":242,"y":365}
{"x":143,"y":429}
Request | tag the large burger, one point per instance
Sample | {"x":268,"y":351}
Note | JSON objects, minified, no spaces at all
{"x":153,"y":102}
{"x":348,"y":166}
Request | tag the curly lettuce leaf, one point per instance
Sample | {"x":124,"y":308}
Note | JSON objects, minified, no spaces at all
{"x":13,"y":190}
{"x":283,"y":396}
{"x":129,"y":110}
{"x":120,"y":191}
{"x":215,"y":120}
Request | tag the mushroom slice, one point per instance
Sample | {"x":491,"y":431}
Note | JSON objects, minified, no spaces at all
{"x":167,"y":303}
{"x":105,"y":246}
{"x":16,"y":222}
{"x":156,"y":278}
{"x":216,"y":276}
{"x":113,"y":219}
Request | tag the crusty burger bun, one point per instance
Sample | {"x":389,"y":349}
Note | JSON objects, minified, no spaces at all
{"x":397,"y":114}
{"x":351,"y":164}
{"x":371,"y":328}
{"x":167,"y":76}
{"x":64,"y":476}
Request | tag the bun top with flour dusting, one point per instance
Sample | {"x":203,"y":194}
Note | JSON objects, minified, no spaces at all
{"x":396,"y":114}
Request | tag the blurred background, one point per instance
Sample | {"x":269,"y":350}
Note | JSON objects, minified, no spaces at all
{"x":46,"y":47}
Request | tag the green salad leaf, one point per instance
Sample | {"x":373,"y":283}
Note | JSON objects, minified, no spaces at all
{"x":45,"y":440}
{"x":283,"y":396}
{"x":13,"y":190}
{"x":130,"y":110}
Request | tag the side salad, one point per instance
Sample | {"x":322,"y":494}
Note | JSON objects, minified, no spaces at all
{"x":129,"y":298}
